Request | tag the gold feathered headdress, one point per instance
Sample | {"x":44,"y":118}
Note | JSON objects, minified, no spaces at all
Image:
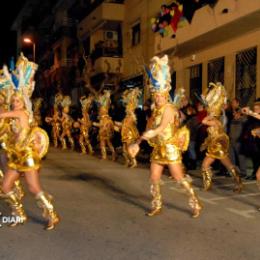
{"x":66,"y":101}
{"x":86,"y":102}
{"x":215,"y":99}
{"x":130,"y":98}
{"x":21,"y":80}
{"x":159,"y":75}
{"x":104,"y":101}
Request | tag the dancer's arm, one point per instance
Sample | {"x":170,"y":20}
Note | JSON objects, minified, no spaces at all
{"x":168,"y":116}
{"x":11,"y":114}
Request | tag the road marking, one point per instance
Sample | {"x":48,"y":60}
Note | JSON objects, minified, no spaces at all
{"x":209,"y":201}
{"x":243,"y":213}
{"x":236,"y":196}
{"x":232,"y":184}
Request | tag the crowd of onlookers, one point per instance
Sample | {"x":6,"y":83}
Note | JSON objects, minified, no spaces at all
{"x":244,"y":147}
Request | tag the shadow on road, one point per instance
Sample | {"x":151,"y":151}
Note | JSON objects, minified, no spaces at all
{"x":117,"y":192}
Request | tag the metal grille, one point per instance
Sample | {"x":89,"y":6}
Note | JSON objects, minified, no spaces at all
{"x":195,"y":82}
{"x":216,"y":70}
{"x":246,"y":76}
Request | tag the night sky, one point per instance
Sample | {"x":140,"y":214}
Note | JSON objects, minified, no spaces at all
{"x":9,"y":10}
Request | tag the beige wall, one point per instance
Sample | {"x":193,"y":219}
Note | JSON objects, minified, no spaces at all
{"x":228,"y":50}
{"x":205,"y":21}
{"x":105,"y":12}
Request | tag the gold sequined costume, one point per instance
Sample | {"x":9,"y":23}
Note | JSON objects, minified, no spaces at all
{"x":85,"y":124}
{"x":167,"y":148}
{"x":129,"y":131}
{"x":25,"y":146}
{"x":37,"y":104}
{"x":166,"y":137}
{"x":55,"y":120}
{"x":106,"y":125}
{"x":217,"y":141}
{"x":66,"y":124}
{"x":5,"y":92}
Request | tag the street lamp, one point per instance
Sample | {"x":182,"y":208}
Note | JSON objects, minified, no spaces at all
{"x":28,"y":40}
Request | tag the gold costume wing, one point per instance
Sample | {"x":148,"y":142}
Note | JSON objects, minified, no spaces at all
{"x":40,"y":141}
{"x":182,"y":138}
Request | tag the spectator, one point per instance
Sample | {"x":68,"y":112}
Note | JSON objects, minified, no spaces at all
{"x":252,"y":144}
{"x":236,"y":126}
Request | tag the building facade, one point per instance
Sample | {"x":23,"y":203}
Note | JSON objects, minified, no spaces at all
{"x":107,"y":42}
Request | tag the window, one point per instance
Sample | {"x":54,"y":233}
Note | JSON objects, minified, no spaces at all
{"x":195,"y":82}
{"x":173,"y":84}
{"x":216,"y":70}
{"x":136,"y":34}
{"x":246,"y":76}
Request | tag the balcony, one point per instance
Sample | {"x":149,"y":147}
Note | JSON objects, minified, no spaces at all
{"x":210,"y":26}
{"x":107,"y":11}
{"x":106,"y":52}
{"x":108,"y":65}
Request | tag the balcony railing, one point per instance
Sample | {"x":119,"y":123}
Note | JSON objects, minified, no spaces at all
{"x":106,"y":52}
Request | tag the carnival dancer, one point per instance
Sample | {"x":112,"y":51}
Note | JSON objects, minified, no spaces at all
{"x":217,"y":142}
{"x":105,"y":125}
{"x":129,"y":131}
{"x":5,"y":92}
{"x":55,"y":120}
{"x":25,"y":147}
{"x":66,"y":123}
{"x":84,"y":124}
{"x":37,"y":117}
{"x":166,"y":137}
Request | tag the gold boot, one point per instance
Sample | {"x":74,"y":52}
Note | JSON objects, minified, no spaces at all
{"x":17,"y":208}
{"x":55,"y":142}
{"x":157,"y":200}
{"x":133,"y":163}
{"x":64,"y":144}
{"x":207,"y":178}
{"x":258,"y":185}
{"x":83,"y":148}
{"x":194,"y":202}
{"x":103,"y":153}
{"x":45,"y":202}
{"x":72,"y":144}
{"x":18,"y":189}
{"x":238,"y":183}
{"x":90,"y":149}
{"x":113,"y":153}
{"x":127,"y":161}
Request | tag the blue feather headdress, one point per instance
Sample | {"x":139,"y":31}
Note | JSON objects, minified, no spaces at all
{"x":159,"y":74}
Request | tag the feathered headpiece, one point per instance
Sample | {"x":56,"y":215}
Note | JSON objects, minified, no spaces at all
{"x":66,"y":101}
{"x":57,"y":101}
{"x":21,"y":80}
{"x":159,"y":74}
{"x":179,"y":95}
{"x":130,"y":98}
{"x":104,"y":101}
{"x":215,"y":99}
{"x":86,"y":102}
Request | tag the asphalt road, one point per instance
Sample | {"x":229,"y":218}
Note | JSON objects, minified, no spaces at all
{"x":102,"y":206}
